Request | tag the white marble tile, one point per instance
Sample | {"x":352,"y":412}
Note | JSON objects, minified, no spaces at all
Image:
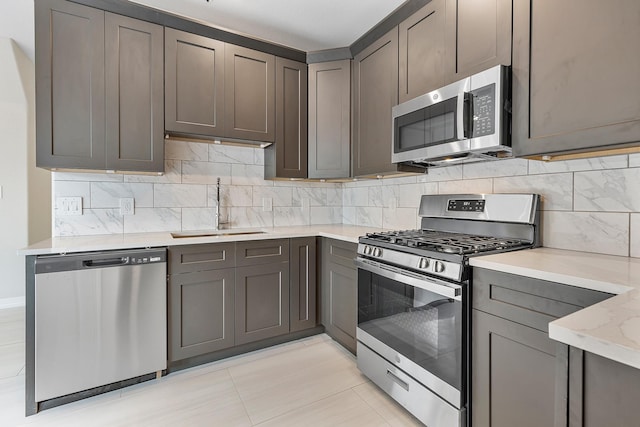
{"x":334,"y":196}
{"x":411,"y":179}
{"x":80,"y":176}
{"x":172,"y":174}
{"x":286,"y":215}
{"x":180,"y":196}
{"x":231,"y":196}
{"x":495,"y":168}
{"x":231,"y":154}
{"x":205,"y":173}
{"x":616,"y":190}
{"x":317,"y":196}
{"x":369,"y":216}
{"x":280,"y":196}
{"x":471,"y":186}
{"x":258,"y":156}
{"x":400,"y":218}
{"x":375,"y":197}
{"x":325,"y":215}
{"x":108,"y":194}
{"x":91,"y":222}
{"x":199,"y":218}
{"x":248,"y":175}
{"x":634,"y":235}
{"x":634,"y":160}
{"x":73,"y":189}
{"x":349,"y":215}
{"x":153,"y":219}
{"x":354,"y":196}
{"x":595,"y":163}
{"x":446,"y":173}
{"x":183,"y":150}
{"x":250,"y":217}
{"x":409,"y":195}
{"x":605,"y":233}
{"x":556,"y":189}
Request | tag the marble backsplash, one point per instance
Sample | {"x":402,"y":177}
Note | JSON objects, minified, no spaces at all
{"x":588,"y":205}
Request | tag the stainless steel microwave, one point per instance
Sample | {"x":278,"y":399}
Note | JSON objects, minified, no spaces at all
{"x":466,"y":120}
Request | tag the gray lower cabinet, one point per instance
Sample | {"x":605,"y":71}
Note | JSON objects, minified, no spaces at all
{"x":194,"y":84}
{"x":339,"y":291}
{"x":330,"y":119}
{"x":250,"y":86}
{"x":519,"y":375}
{"x":574,"y":68}
{"x":302,"y":280}
{"x":99,"y":90}
{"x":287,"y":157}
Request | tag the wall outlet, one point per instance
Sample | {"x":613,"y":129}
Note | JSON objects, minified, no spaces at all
{"x":69,"y":206}
{"x":267,"y":204}
{"x":127,"y":206}
{"x":0,"y":191}
{"x":306,"y":202}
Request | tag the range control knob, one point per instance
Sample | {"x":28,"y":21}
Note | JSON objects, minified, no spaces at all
{"x":424,"y":263}
{"x":377,"y":252}
{"x":367,"y":250}
{"x":439,"y":267}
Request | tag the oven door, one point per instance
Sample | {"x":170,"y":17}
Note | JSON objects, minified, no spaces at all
{"x":416,"y":323}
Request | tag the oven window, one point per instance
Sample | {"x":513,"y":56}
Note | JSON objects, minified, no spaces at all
{"x":422,"y":326}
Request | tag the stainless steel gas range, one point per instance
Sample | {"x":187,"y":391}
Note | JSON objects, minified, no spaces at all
{"x":413,"y":297}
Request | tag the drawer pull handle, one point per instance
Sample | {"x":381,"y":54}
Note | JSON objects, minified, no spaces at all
{"x":398,"y":381}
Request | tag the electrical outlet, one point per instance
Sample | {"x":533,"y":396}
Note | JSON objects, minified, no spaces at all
{"x":267,"y":204}
{"x":0,"y":191}
{"x":69,"y":206}
{"x":127,"y":206}
{"x":306,"y":202}
{"x":393,"y":203}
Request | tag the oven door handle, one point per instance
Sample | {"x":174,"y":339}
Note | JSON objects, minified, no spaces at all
{"x":449,"y":290}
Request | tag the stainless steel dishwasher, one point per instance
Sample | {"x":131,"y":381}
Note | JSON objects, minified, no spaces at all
{"x":100,"y":318}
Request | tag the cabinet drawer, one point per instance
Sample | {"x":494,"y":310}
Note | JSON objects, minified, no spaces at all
{"x":528,"y":301}
{"x":340,"y":252}
{"x":262,"y":252}
{"x":185,"y":259}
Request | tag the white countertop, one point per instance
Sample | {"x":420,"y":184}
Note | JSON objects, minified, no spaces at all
{"x":57,"y":245}
{"x":610,"y":328}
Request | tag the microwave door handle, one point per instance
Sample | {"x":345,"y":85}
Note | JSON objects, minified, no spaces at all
{"x":460,"y":107}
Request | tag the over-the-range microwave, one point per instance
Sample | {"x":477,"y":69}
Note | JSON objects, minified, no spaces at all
{"x":464,"y":121}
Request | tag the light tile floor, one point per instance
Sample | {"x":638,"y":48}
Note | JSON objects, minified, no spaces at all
{"x":309,"y":382}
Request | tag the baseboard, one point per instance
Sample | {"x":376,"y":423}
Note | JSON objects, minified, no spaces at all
{"x":11,"y":302}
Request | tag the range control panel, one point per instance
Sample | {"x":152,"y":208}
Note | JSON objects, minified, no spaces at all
{"x":466,"y":205}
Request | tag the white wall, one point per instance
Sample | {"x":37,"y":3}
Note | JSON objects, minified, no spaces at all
{"x":17,"y":23}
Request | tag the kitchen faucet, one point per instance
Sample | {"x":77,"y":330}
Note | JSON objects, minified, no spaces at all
{"x":216,"y":220}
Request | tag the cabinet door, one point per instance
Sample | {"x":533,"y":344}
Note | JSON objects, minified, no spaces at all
{"x":302,"y":269}
{"x":262,"y":302}
{"x":375,"y":91}
{"x":330,"y":119}
{"x":194,"y":84}
{"x":201,"y":313}
{"x":422,"y":50}
{"x":287,"y":158}
{"x":478,"y":36}
{"x":575,"y":68}
{"x":513,"y":374}
{"x":250,"y":89}
{"x":69,"y":85}
{"x":134,"y":75}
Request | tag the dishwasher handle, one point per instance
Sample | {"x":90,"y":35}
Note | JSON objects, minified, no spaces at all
{"x":105,"y":262}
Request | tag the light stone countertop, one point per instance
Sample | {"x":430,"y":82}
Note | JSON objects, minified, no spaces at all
{"x":610,"y":328}
{"x":58,"y":245}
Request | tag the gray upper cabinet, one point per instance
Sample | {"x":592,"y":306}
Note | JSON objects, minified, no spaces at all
{"x":329,"y":119}
{"x":134,"y":94}
{"x":421,"y":62}
{"x":575,"y":76}
{"x":70,"y":85}
{"x":250,"y":87}
{"x":99,"y":83}
{"x":375,"y":92}
{"x":478,"y":36}
{"x":194,"y":84}
{"x":287,"y":157}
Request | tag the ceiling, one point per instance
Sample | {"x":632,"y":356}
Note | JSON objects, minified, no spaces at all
{"x":307,"y":25}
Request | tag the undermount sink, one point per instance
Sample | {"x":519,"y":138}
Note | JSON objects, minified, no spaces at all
{"x":213,"y":233}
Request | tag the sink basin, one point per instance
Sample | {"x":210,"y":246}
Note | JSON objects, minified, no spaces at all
{"x":213,"y":233}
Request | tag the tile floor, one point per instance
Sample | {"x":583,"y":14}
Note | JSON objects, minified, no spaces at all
{"x":309,"y":382}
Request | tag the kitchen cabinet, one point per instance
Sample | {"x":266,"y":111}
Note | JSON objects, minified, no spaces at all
{"x":194,"y":84}
{"x":511,"y":347}
{"x":477,"y":35}
{"x":339,"y":291}
{"x":250,"y":86}
{"x":302,"y":280}
{"x":287,"y":157}
{"x":574,"y":68}
{"x":99,"y":90}
{"x":330,"y":119}
{"x":422,"y":51}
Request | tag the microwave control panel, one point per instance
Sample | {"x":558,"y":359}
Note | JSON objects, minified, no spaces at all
{"x":484,"y":110}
